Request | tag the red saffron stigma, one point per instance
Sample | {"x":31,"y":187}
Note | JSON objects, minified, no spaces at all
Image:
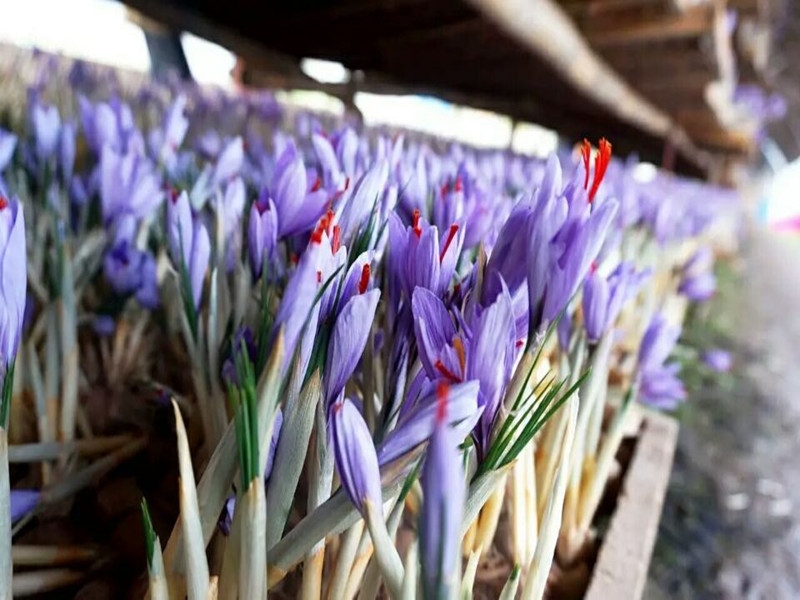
{"x":593,"y":266}
{"x":415,"y":225}
{"x":457,"y":289}
{"x":519,"y":343}
{"x":3,"y":202}
{"x":346,"y":184}
{"x":293,"y":258}
{"x":442,"y":392}
{"x":586,"y":154}
{"x":337,"y":236}
{"x":443,"y":190}
{"x":337,"y":407}
{"x":317,"y":185}
{"x":364,"y":281}
{"x":451,"y":234}
{"x":316,"y":236}
{"x":601,"y":162}
{"x":319,"y":276}
{"x":458,"y":186}
{"x":439,"y":366}
{"x":173,"y":194}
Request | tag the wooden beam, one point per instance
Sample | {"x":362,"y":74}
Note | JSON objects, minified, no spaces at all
{"x":690,"y":24}
{"x":542,"y":26}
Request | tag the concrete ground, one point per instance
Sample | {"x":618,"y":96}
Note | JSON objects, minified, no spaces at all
{"x":731,"y":523}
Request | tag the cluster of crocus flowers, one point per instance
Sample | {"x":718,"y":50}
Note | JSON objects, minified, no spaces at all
{"x":381,"y":333}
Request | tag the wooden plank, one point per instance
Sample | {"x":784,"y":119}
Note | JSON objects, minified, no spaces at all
{"x":621,"y":568}
{"x":690,"y":24}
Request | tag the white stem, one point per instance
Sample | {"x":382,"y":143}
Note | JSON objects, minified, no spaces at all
{"x":5,"y":520}
{"x":385,"y":552}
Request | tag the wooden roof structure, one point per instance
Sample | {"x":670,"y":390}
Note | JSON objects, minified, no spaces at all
{"x":654,"y":76}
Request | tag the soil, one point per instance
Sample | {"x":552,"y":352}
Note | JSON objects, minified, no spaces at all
{"x":731,"y":522}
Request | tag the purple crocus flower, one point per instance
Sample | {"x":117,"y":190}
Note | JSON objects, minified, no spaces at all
{"x":659,"y":384}
{"x":718,"y":360}
{"x":354,"y":454}
{"x":417,"y":424}
{"x":23,"y":502}
{"x":46,"y":126}
{"x":419,"y":257}
{"x":262,"y":231}
{"x":582,"y":248}
{"x":169,"y":137}
{"x":229,"y":162}
{"x":131,"y":271}
{"x":297,"y":306}
{"x":188,"y":242}
{"x":128,"y":185}
{"x":366,"y":194}
{"x":13,"y":278}
{"x":333,"y":177}
{"x":484,"y":350}
{"x":661,"y":387}
{"x":544,"y":221}
{"x":348,"y":340}
{"x":299,"y":199}
{"x":444,"y":491}
{"x":657,"y":343}
{"x":109,"y":124}
{"x":509,"y":256}
{"x":490,"y":360}
{"x":604,"y":298}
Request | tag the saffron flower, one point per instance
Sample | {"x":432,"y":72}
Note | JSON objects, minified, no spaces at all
{"x":189,"y":244}
{"x":130,"y":271}
{"x":229,"y":162}
{"x":659,"y":384}
{"x":604,"y":298}
{"x":483,"y":350}
{"x":300,"y":200}
{"x":128,"y":185}
{"x":46,"y":126}
{"x":354,"y":454}
{"x":417,"y":424}
{"x":444,"y":491}
{"x":420,"y":257}
{"x":349,"y":337}
{"x":13,"y":279}
{"x":262,"y":231}
{"x":165,"y":141}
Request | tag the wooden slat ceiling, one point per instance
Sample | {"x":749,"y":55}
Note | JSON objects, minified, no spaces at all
{"x":667,"y":54}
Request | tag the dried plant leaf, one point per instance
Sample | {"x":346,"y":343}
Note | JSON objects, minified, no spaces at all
{"x":193,"y":542}
{"x":290,"y":456}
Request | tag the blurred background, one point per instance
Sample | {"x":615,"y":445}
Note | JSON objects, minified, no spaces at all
{"x":719,"y":74}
